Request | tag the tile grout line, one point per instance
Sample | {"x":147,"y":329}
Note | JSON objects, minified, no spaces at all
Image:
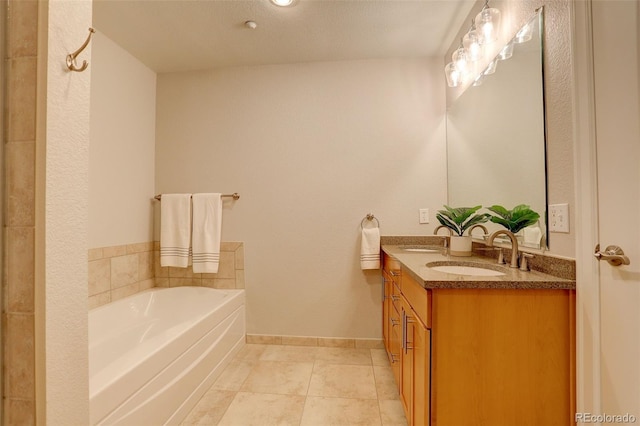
{"x":316,"y":360}
{"x":375,"y":382}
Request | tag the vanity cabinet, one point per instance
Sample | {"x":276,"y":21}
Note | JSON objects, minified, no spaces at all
{"x":416,"y":359}
{"x":407,"y":339}
{"x":391,"y":324}
{"x":480,"y":356}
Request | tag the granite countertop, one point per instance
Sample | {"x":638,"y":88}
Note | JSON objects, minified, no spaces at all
{"x":415,"y":264}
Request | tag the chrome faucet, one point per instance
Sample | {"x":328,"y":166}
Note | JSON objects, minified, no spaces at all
{"x":514,"y":245}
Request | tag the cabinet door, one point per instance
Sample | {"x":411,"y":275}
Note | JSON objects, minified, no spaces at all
{"x":395,"y":333}
{"x":416,"y":368}
{"x":421,"y":374}
{"x":386,"y":306}
{"x":408,"y":359}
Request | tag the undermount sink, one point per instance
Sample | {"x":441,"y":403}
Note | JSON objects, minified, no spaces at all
{"x":422,"y":249}
{"x":466,"y":268}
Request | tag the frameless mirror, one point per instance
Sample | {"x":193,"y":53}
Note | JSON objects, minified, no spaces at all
{"x":496,"y":136}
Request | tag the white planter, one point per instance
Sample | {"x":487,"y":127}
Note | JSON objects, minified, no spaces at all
{"x":460,"y":246}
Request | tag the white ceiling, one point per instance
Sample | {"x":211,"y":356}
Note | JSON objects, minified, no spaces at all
{"x":182,"y":35}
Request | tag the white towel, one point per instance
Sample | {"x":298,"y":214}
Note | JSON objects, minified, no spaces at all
{"x":207,"y":227}
{"x":370,"y":248}
{"x":175,"y":230}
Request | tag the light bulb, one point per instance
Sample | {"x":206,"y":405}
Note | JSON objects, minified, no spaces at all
{"x":459,"y":58}
{"x":487,"y":23}
{"x":454,"y":76}
{"x":471,"y":43}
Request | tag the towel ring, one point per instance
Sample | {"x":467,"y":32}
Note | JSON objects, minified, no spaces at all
{"x":370,"y":218}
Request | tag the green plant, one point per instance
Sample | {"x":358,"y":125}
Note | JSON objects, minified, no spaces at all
{"x":459,"y":219}
{"x":515,"y":219}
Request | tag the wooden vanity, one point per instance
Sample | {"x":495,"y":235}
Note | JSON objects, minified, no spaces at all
{"x":468,"y":350}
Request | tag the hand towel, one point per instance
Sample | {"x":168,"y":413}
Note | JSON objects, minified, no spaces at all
{"x":370,"y":248}
{"x":207,"y":227}
{"x":175,"y":230}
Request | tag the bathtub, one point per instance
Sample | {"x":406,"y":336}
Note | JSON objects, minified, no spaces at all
{"x":154,"y":354}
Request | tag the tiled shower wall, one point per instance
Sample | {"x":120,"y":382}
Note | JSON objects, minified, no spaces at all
{"x":18,"y":275}
{"x":119,"y":271}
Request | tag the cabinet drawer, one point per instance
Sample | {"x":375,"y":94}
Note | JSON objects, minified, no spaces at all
{"x":391,"y":266}
{"x":418,"y":297}
{"x":396,"y":298}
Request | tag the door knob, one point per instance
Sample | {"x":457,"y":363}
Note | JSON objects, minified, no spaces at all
{"x":612,"y":254}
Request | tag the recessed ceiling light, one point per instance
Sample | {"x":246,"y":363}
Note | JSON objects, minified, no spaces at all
{"x":282,"y":3}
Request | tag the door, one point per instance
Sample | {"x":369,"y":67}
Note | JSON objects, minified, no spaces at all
{"x":607,"y":95}
{"x":616,"y":59}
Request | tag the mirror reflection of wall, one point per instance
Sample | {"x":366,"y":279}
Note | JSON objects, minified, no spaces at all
{"x":496,"y":136}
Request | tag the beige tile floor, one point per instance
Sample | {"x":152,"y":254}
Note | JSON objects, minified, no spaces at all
{"x":300,"y":385}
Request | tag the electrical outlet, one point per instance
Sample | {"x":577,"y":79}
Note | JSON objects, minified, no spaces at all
{"x":559,"y":218}
{"x":424,"y":216}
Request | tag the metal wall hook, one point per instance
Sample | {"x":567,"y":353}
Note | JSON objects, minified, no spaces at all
{"x":71,"y":58}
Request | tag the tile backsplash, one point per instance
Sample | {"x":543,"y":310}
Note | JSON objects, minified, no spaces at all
{"x":230,"y":271}
{"x":119,"y":271}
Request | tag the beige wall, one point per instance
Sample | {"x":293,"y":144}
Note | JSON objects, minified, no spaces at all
{"x":121,"y":169}
{"x":558,"y":82}
{"x":311,"y":148}
{"x":65,"y":213}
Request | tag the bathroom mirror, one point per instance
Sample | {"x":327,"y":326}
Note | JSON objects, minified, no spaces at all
{"x":496,"y":136}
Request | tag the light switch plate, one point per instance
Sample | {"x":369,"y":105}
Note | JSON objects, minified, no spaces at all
{"x":424,"y":216}
{"x":559,"y":218}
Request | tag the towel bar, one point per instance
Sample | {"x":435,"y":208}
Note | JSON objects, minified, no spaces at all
{"x":235,"y":196}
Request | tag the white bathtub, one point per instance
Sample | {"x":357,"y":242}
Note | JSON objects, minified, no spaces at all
{"x":154,"y":354}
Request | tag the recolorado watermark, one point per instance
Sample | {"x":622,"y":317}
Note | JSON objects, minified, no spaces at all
{"x":604,"y":418}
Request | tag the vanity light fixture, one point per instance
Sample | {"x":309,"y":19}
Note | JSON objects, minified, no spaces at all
{"x":506,"y":52}
{"x":460,"y":58}
{"x":454,"y":76}
{"x":457,"y":70}
{"x":491,"y":68}
{"x":483,"y":31}
{"x":488,"y":22}
{"x":471,"y":43}
{"x":524,"y":35}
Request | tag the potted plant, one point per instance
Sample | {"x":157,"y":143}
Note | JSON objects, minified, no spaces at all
{"x":515,"y":219}
{"x":459,"y":219}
